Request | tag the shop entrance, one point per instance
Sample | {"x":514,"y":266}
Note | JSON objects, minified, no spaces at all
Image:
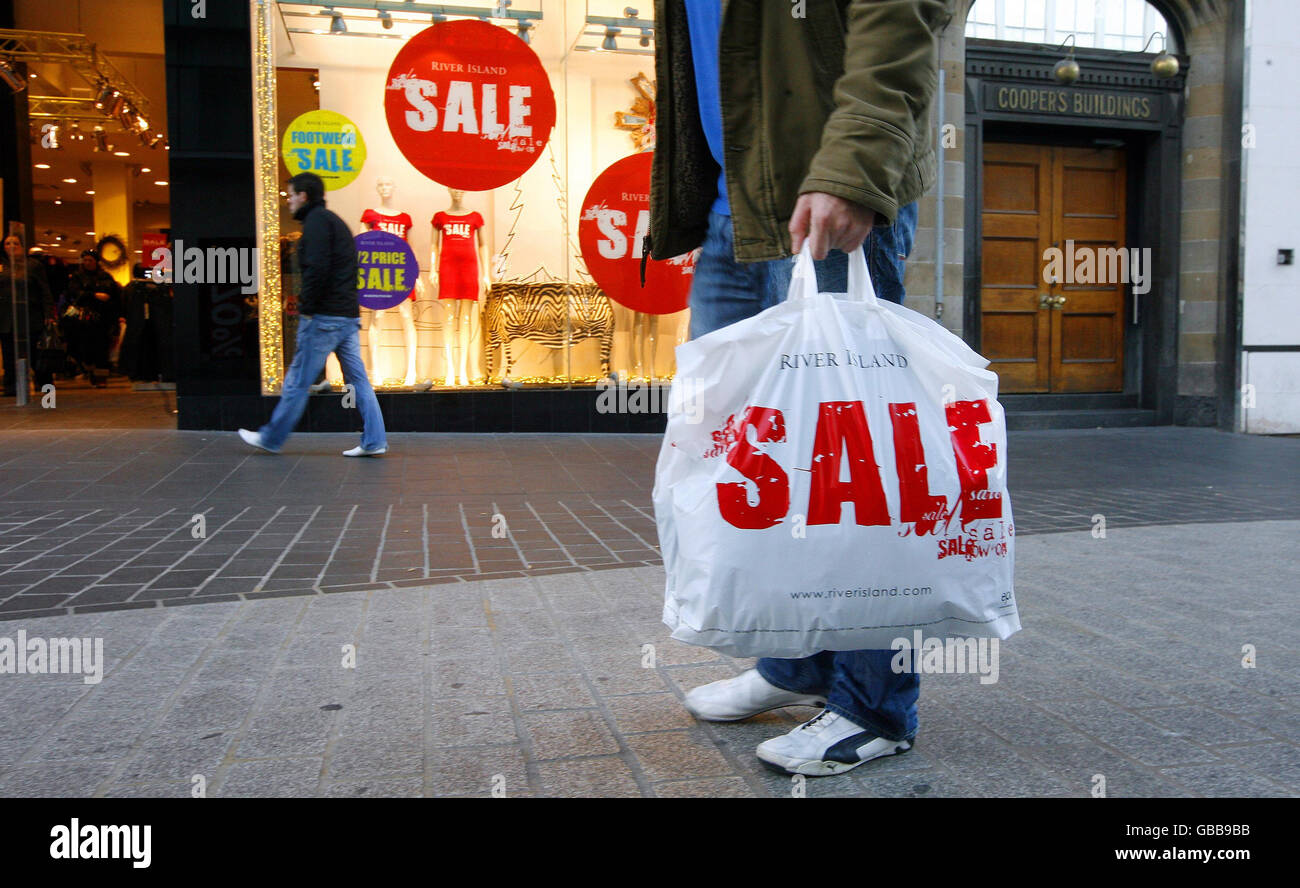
{"x":1046,"y":328}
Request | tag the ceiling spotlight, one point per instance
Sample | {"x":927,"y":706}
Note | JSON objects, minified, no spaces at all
{"x":337,"y":25}
{"x":611,"y":38}
{"x":500,"y":11}
{"x":106,"y":96}
{"x":386,"y":19}
{"x":71,"y":181}
{"x":161,"y":182}
{"x":141,"y":124}
{"x":42,"y":166}
{"x":91,"y":191}
{"x":58,"y":201}
{"x":75,"y":133}
{"x":145,"y":170}
{"x":152,"y":141}
{"x":101,"y":140}
{"x":121,"y":153}
{"x":524,"y":27}
{"x":15,"y":81}
{"x":646,"y":34}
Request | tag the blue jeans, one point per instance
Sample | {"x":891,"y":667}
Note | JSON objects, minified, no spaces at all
{"x":318,"y":335}
{"x":858,"y":685}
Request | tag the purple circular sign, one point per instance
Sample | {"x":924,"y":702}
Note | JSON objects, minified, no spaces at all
{"x":386,"y":269}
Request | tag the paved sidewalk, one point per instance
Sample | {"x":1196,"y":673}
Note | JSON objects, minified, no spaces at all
{"x":1130,"y":667}
{"x":104,"y":520}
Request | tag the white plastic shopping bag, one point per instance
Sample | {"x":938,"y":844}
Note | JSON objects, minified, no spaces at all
{"x":834,"y":477}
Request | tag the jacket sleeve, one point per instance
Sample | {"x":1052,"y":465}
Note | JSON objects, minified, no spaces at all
{"x":881,"y":101}
{"x":314,"y":259}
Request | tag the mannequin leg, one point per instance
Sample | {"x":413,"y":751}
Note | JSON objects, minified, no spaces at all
{"x":408,"y":338}
{"x":622,"y":342}
{"x":463,"y":311}
{"x":638,"y":344}
{"x":448,"y":307}
{"x":652,"y":343}
{"x":376,"y":327}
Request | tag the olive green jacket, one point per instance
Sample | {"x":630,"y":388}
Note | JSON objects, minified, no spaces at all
{"x":837,"y":101}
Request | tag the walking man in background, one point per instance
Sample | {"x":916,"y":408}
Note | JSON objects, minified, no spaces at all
{"x":781,"y":130}
{"x":329,"y":320}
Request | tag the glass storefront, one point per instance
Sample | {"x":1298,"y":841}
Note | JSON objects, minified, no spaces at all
{"x":507,"y":146}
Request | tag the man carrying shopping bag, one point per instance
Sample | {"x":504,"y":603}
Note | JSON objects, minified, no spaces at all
{"x":778,"y":133}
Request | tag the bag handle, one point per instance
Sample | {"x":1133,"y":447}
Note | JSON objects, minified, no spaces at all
{"x":803,"y":280}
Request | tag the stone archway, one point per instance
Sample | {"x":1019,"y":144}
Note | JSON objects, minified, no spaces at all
{"x":1199,"y":35}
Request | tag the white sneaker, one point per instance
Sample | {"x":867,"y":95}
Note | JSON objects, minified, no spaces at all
{"x":361,"y":451}
{"x":828,"y":744}
{"x":255,"y":439}
{"x":748,"y":694}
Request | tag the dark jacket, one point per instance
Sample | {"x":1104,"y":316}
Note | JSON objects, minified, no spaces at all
{"x":327,"y":256}
{"x":836,"y":102}
{"x":37,"y":291}
{"x":82,"y":287}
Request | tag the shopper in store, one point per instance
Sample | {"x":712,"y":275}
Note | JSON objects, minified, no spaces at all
{"x":829,"y":155}
{"x":93,"y":317}
{"x":329,"y":320}
{"x":24,"y":279}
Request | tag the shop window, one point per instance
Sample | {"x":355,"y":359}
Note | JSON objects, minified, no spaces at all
{"x":437,"y":129}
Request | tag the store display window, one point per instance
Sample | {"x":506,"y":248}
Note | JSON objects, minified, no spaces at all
{"x":493,"y":159}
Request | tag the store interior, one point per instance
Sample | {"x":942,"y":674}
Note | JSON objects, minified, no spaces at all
{"x":99,"y":180}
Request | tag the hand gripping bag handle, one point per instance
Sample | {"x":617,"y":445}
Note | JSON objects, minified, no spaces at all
{"x":803,"y":281}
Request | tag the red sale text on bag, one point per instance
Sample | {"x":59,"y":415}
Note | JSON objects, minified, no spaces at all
{"x":842,"y":434}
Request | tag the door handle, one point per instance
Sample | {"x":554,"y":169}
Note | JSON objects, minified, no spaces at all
{"x":1059,"y":301}
{"x":1044,"y":300}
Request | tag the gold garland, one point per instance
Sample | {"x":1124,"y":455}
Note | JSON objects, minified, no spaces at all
{"x":270,"y":307}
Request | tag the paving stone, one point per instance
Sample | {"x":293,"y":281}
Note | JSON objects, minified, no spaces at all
{"x":605,"y":776}
{"x":670,"y":755}
{"x":482,"y":772}
{"x":710,"y":788}
{"x":563,"y":734}
{"x":269,"y":778}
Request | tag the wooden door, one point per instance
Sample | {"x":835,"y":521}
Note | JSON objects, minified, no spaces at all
{"x":1064,"y":334}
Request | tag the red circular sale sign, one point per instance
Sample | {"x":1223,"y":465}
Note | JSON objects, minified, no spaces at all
{"x":469,"y":105}
{"x":615,"y":217}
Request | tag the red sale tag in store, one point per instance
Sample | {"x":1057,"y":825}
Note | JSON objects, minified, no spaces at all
{"x":615,"y":219}
{"x":469,"y":105}
{"x":151,"y":241}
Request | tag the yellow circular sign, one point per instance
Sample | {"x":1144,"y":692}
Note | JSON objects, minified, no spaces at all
{"x":325,"y":143}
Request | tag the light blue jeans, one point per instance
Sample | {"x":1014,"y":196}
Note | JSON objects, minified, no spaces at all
{"x":859,"y":685}
{"x":318,"y":335}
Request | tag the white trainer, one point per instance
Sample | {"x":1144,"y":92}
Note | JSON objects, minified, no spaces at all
{"x":361,"y":451}
{"x":255,"y":439}
{"x":748,"y":694}
{"x":828,"y":744}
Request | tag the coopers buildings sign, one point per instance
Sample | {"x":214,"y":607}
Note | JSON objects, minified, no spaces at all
{"x":1070,"y":102}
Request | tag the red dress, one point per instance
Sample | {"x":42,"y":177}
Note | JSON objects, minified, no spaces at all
{"x":458,"y":272}
{"x":399,"y":225}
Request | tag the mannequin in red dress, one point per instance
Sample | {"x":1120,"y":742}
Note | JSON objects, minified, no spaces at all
{"x":461,"y":274}
{"x":388,"y":217}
